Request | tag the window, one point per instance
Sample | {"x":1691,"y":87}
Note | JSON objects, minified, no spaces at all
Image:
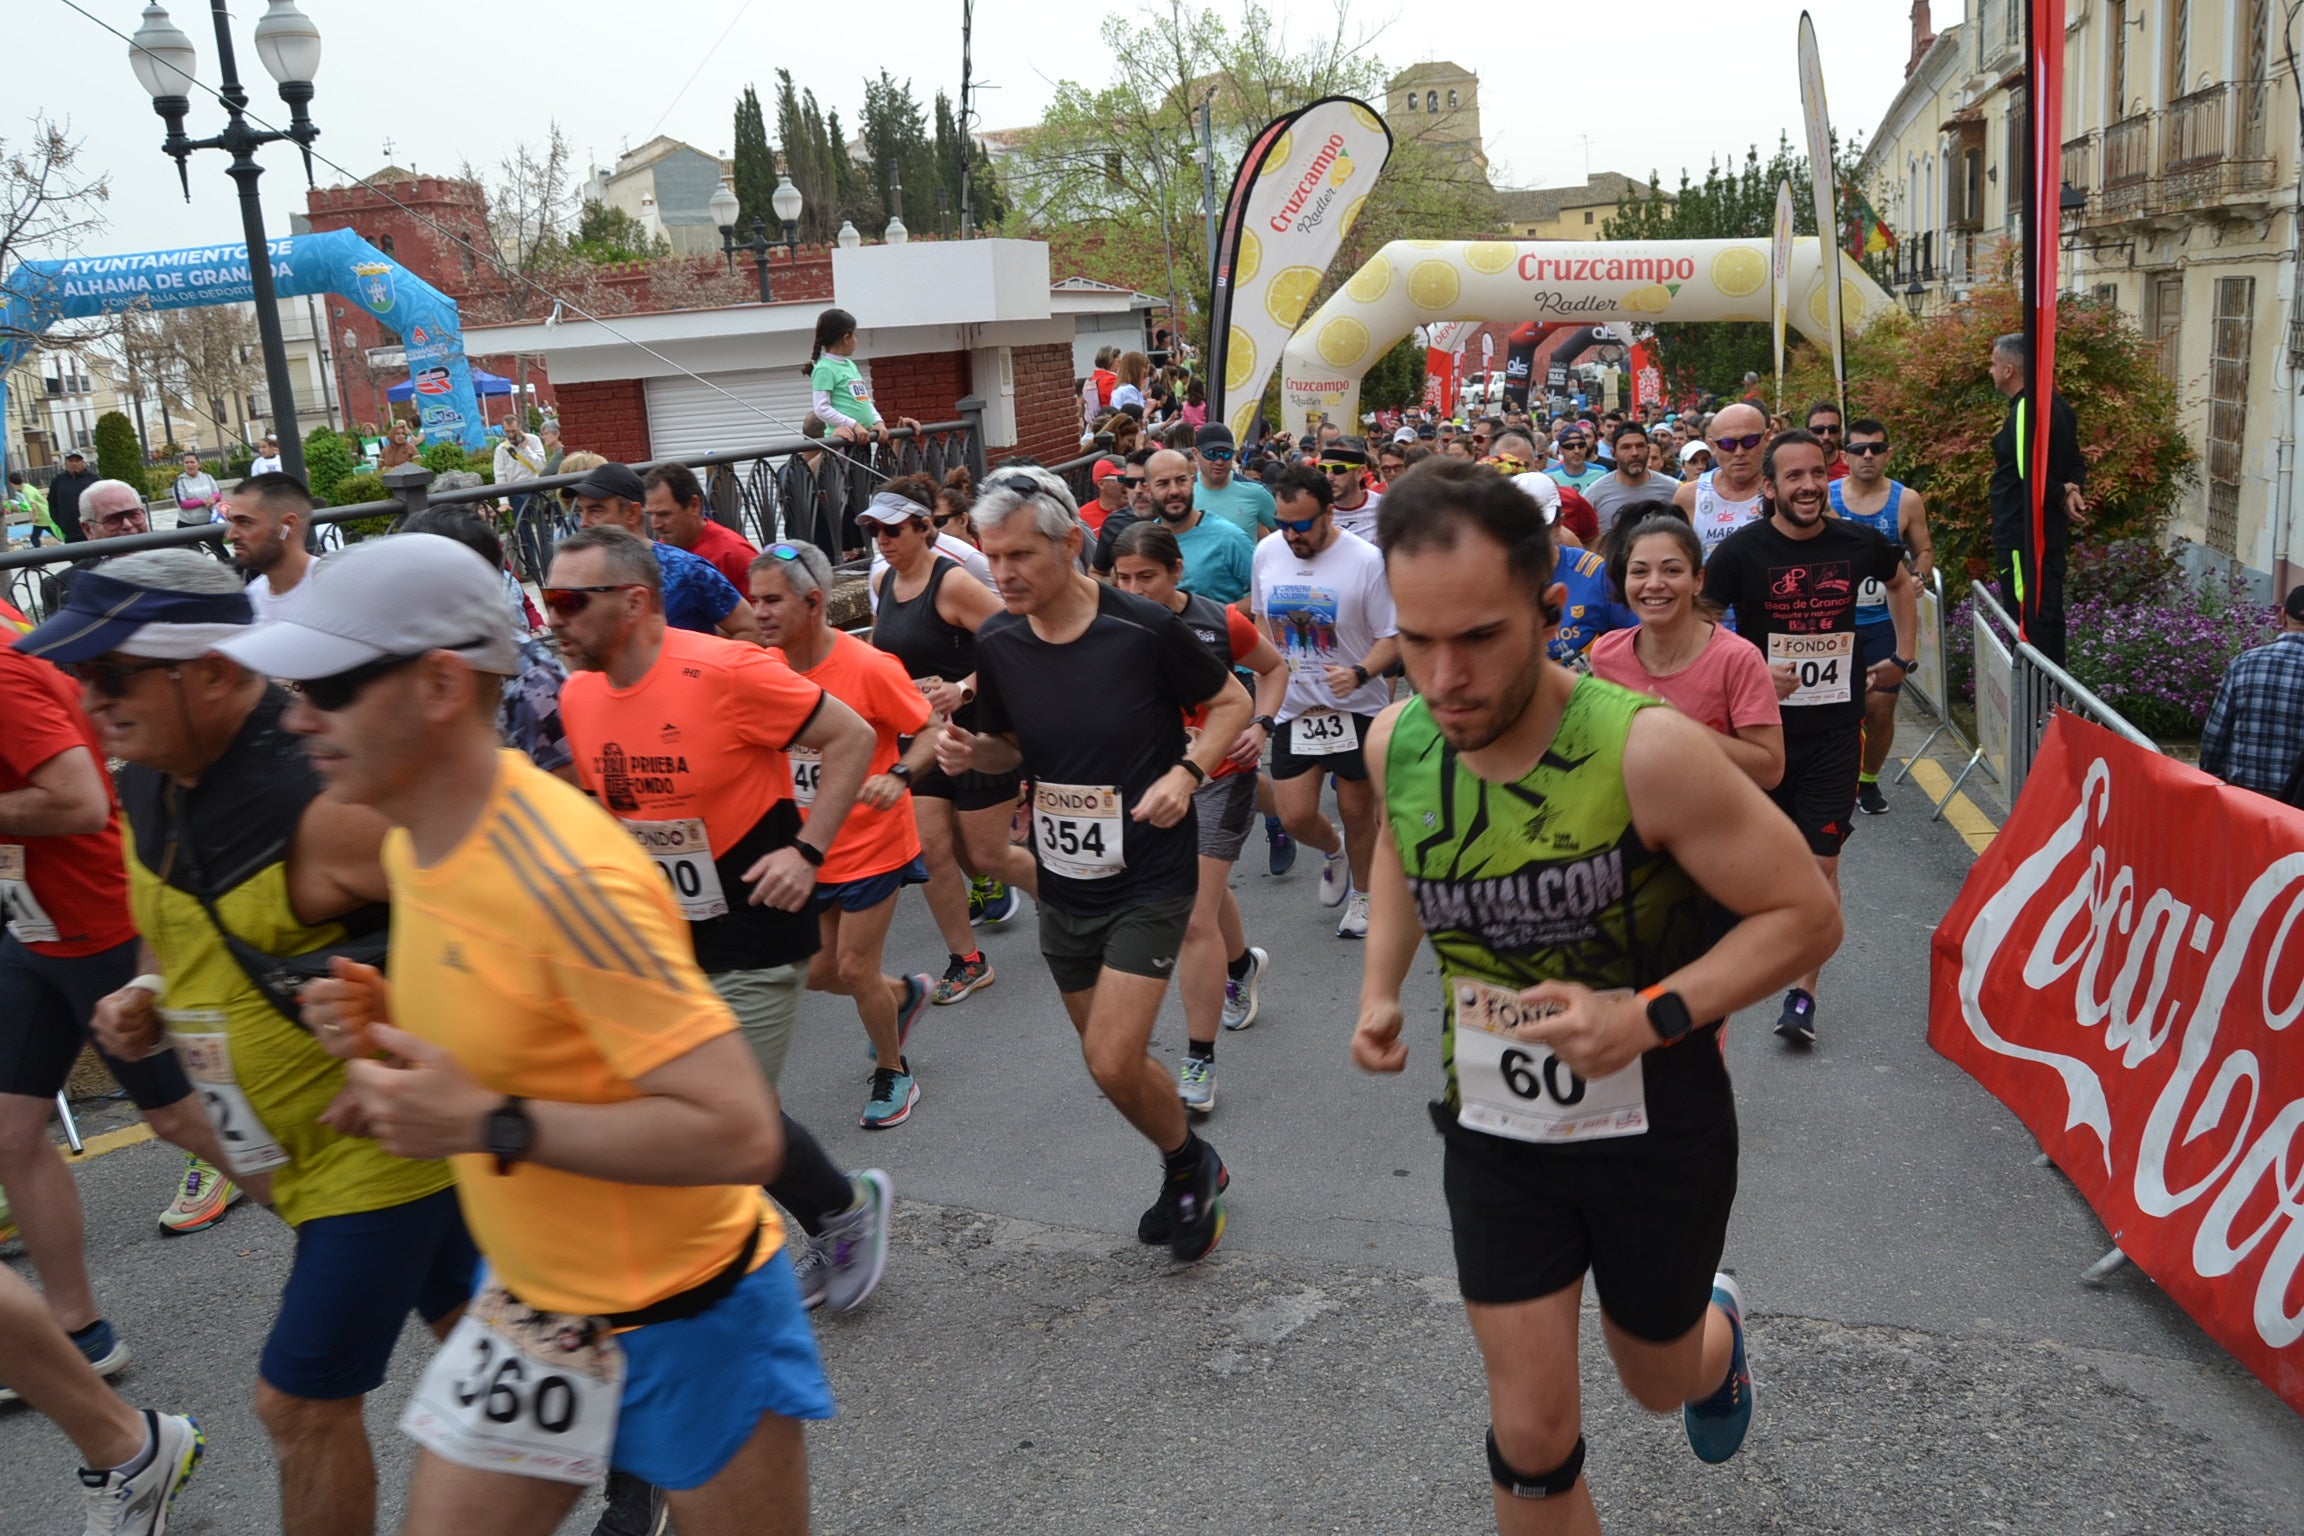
{"x":1412,"y":101}
{"x":2164,"y":322}
{"x":2229,"y":349}
{"x":1451,"y":101}
{"x":2108,"y":295}
{"x":384,"y":244}
{"x":1587,"y":215}
{"x":2179,"y":47}
{"x":1431,"y":101}
{"x":2016,"y":163}
{"x":2116,"y":68}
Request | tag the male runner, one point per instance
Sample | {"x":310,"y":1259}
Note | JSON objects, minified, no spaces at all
{"x":608,"y":1126}
{"x":1085,"y":687}
{"x":696,"y":596}
{"x":1217,"y":555}
{"x":240,"y":869}
{"x":1791,"y":582}
{"x":1586,"y":1127}
{"x":1867,"y":495}
{"x":675,"y":508}
{"x":1823,"y":419}
{"x":1244,"y":504}
{"x":1345,"y":463}
{"x":264,"y":521}
{"x":1631,"y":481}
{"x":1320,"y":596}
{"x":1573,"y":471}
{"x":1722,"y":500}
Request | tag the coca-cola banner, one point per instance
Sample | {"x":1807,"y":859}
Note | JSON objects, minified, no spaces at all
{"x":2122,"y":969}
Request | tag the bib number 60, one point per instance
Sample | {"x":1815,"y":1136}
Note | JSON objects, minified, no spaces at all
{"x":1543,"y":1082}
{"x":501,"y":1377}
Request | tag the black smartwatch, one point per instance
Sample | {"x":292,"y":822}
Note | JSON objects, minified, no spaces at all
{"x":1909,"y":667}
{"x":809,"y":851}
{"x":1199,"y":774}
{"x":901,"y":772}
{"x":1271,"y":726}
{"x":508,"y":1133}
{"x":1667,"y":1014}
{"x":1361,"y":673}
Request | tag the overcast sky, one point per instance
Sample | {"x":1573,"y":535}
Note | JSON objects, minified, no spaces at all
{"x":1659,"y":85}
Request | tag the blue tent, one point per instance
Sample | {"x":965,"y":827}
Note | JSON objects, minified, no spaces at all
{"x":483,"y":383}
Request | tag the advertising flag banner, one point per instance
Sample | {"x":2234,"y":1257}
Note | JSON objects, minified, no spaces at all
{"x":1299,"y":190}
{"x":2130,"y":995}
{"x":1780,"y":277}
{"x":1820,"y":179}
{"x":2043,"y":216}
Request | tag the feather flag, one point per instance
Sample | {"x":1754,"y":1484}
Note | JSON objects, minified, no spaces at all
{"x":1820,"y":177}
{"x":2043,"y":214}
{"x":1780,"y":277}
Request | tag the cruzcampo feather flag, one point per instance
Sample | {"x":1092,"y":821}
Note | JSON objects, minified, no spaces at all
{"x":2042,"y":228}
{"x":1780,"y":278}
{"x":1301,"y":185}
{"x":1820,"y":177}
{"x":1863,"y":232}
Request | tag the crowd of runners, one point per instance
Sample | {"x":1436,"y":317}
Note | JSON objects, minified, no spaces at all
{"x":422,"y":917}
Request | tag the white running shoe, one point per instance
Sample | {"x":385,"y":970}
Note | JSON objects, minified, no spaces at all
{"x":1335,"y":879}
{"x":1355,"y":922}
{"x":854,"y":1244}
{"x":1240,"y":1000}
{"x":137,"y":1504}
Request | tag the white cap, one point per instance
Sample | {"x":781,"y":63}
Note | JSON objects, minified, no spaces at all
{"x":1690,"y":450}
{"x":397,"y":596}
{"x":1404,"y":435}
{"x":1543,"y":490}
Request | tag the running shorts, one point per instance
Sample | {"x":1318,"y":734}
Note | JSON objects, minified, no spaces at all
{"x":1138,"y":941}
{"x":1345,"y":765}
{"x":1876,"y":643}
{"x":868,"y":891}
{"x":970,"y":791}
{"x":46,"y":1002}
{"x":1529,"y":1220}
{"x":1226,"y":809}
{"x":352,"y":1284}
{"x":766,"y":1003}
{"x":1818,"y":790}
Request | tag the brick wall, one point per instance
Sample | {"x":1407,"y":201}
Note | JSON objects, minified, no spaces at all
{"x":607,"y":417}
{"x":1047,"y":405}
{"x":925,"y":386}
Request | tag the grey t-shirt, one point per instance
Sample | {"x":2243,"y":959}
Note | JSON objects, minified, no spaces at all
{"x":1609,"y":492}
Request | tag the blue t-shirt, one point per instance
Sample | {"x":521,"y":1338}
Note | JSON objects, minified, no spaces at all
{"x":1872,"y":598}
{"x":1577,"y":482}
{"x":1591,"y":610}
{"x":696,"y":595}
{"x":1218,"y":559}
{"x":1244,"y":504}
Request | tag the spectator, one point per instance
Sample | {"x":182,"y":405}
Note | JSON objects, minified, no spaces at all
{"x":1096,"y":389}
{"x":198,"y":496}
{"x":64,"y":493}
{"x":2032,"y":580}
{"x":553,"y":451}
{"x":397,"y":449}
{"x":1132,"y":369}
{"x":2255,"y":732}
{"x":954,"y":500}
{"x":1195,"y":412}
{"x":519,"y":457}
{"x":25,"y":501}
{"x":267,"y":460}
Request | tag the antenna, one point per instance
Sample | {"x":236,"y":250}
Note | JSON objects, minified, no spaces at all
{"x":387,"y":147}
{"x":967,"y":118}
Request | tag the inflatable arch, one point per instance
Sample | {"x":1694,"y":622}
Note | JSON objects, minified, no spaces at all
{"x":1418,"y":282}
{"x":38,"y":294}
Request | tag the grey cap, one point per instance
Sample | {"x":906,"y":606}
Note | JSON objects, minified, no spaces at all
{"x":397,"y":596}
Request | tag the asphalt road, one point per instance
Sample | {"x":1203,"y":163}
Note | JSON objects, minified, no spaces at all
{"x":1928,"y":1359}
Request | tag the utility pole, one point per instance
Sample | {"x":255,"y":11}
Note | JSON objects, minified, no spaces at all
{"x":1208,"y":177}
{"x":967,"y":117}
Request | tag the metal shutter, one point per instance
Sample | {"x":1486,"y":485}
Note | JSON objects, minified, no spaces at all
{"x":687,"y":417}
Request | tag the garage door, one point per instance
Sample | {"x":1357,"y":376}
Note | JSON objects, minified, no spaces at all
{"x":687,"y":417}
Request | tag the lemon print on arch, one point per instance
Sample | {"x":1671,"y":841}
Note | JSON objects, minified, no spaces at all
{"x":1371,"y":282}
{"x":1277,"y":156}
{"x":1243,"y":415}
{"x":1489,"y":256}
{"x":1650,"y":300}
{"x":1739,"y":271}
{"x":1851,"y":304}
{"x":1290,"y":290}
{"x":1343,"y":342}
{"x":1368,"y":119}
{"x":1239,"y":358}
{"x":1250,"y":258}
{"x":1434,"y":285}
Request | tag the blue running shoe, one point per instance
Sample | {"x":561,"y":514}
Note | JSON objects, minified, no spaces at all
{"x":919,"y":992}
{"x":1283,"y":851}
{"x":1001,"y":903}
{"x":1717,"y":1425}
{"x":893,"y":1095}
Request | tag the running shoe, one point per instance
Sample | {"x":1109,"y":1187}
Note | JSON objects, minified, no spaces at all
{"x":98,"y":1344}
{"x":1240,"y":996}
{"x":635,"y":1508}
{"x":811,"y":1270}
{"x":202,"y":1198}
{"x":853,"y":1247}
{"x":893,"y":1095}
{"x":1000,"y":903}
{"x":1199,"y":1209}
{"x":1716,"y":1426}
{"x":1354,"y":924}
{"x":1335,"y":879}
{"x":1869,"y":800}
{"x":1196,"y":1084}
{"x":976,"y":902}
{"x":1158,"y":1223}
{"x":962,"y":977}
{"x":1281,"y":857}
{"x":137,"y":1503}
{"x":919,"y":992}
{"x":1797,"y":1023}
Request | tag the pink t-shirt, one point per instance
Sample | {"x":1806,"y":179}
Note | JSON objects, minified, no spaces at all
{"x":1727,"y":686}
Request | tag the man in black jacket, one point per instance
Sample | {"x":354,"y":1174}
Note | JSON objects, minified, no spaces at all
{"x":64,"y":496}
{"x":2032,"y":581}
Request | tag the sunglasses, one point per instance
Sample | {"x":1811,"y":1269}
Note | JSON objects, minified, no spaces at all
{"x":1217,"y":455}
{"x":1131,"y":481}
{"x":893,"y":530}
{"x":1292,"y":526}
{"x":947,"y":519}
{"x":1825,"y":431}
{"x":1866,"y":450}
{"x":334,"y":692}
{"x":110,"y":678}
{"x":783,"y":551}
{"x":571,"y":600}
{"x":1335,"y":468}
{"x":1737,"y":444}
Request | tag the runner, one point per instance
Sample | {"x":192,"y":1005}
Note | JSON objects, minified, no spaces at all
{"x":1244,"y":504}
{"x":1573,"y":471}
{"x":264,"y":521}
{"x":1220,"y":973}
{"x":1867,"y":495}
{"x":1651,"y":840}
{"x":240,"y":867}
{"x":921,"y":492}
{"x":1791,"y":582}
{"x":1823,"y":419}
{"x":696,"y":596}
{"x":1631,"y":481}
{"x":1345,"y":462}
{"x":675,"y":508}
{"x":1217,"y":555}
{"x":876,"y":850}
{"x":609,"y":1129}
{"x":1320,"y":596}
{"x":1085,"y":688}
{"x":1720,"y":501}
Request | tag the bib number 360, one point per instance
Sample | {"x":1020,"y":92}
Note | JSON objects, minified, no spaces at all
{"x":514,"y":1390}
{"x":1517,"y":1088}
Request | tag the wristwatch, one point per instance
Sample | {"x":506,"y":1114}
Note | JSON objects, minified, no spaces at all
{"x":1361,"y":673}
{"x":1199,"y":774}
{"x":1911,"y":666}
{"x":1667,"y":1014}
{"x":809,"y":851}
{"x":901,"y":772}
{"x":1271,"y":726}
{"x":508,"y":1133}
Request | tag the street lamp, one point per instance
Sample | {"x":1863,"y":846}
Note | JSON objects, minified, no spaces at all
{"x":166,"y":64}
{"x":895,"y":233}
{"x":1913,"y":295}
{"x":848,"y":239}
{"x":724,"y":209}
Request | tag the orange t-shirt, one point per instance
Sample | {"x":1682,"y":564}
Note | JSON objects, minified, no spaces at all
{"x":875,"y":685}
{"x":1241,"y":635}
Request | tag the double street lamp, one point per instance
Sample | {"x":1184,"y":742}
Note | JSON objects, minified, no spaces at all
{"x":724,"y":209}
{"x":167,"y":63}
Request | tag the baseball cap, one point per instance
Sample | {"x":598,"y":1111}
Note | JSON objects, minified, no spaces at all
{"x":74,"y":453}
{"x":1404,"y":435}
{"x":618,"y":480}
{"x":398,"y":596}
{"x":1426,"y":431}
{"x":1105,"y":469}
{"x":892,"y":509}
{"x":1692,"y":449}
{"x":2295,"y":604}
{"x":1213,"y":435}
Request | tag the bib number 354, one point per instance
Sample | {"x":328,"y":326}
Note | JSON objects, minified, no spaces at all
{"x":1077,"y":830}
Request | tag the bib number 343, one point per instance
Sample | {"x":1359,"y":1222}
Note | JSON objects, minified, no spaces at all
{"x":514,"y":1390}
{"x":1518,"y":1089}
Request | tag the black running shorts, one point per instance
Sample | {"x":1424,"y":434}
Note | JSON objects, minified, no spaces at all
{"x":46,"y":1002}
{"x":1287,"y":764}
{"x":1818,"y":790}
{"x":1141,"y":940}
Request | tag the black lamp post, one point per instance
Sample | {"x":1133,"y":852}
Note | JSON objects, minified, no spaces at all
{"x":1914,"y":296}
{"x":786,"y":201}
{"x":167,"y":63}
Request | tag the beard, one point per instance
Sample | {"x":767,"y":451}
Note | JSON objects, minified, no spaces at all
{"x":1511,"y":703}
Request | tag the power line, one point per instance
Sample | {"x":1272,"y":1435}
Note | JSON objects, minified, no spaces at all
{"x":703,"y":59}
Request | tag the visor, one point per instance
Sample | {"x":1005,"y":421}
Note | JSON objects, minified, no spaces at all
{"x":102,"y":613}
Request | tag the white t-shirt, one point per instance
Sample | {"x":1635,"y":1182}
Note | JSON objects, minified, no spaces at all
{"x":1717,"y":517}
{"x":1327,"y":611}
{"x":260,"y":465}
{"x":267,"y":602}
{"x":967,"y":554}
{"x":1360,"y":522}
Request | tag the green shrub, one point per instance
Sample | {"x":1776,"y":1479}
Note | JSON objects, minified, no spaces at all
{"x":443,"y":456}
{"x":328,"y":461}
{"x":119,"y":456}
{"x":237,"y":461}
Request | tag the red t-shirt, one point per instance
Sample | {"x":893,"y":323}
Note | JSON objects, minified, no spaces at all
{"x":729,"y":553}
{"x":1726,"y":687}
{"x":61,"y":896}
{"x":1577,"y":516}
{"x":875,"y":685}
{"x":1241,"y":634}
{"x":1837,"y":469}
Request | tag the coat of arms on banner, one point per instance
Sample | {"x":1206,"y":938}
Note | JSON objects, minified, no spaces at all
{"x":374,"y":282}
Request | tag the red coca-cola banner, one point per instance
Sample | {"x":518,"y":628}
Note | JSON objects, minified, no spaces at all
{"x":2122,"y":969}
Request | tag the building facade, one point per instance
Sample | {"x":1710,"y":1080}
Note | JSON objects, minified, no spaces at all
{"x":667,"y":185}
{"x":1438,"y":104}
{"x":1571,"y":213}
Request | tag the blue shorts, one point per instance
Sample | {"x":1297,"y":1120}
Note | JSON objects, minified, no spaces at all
{"x":351,"y":1286}
{"x":1876,"y":643}
{"x":696,"y":1389}
{"x":862,"y":895}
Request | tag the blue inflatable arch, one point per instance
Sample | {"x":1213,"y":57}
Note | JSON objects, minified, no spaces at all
{"x":38,"y":294}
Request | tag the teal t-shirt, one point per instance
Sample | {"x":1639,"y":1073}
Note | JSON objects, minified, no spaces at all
{"x":1591,"y":473}
{"x":1244,"y":504}
{"x":1218,"y":559}
{"x":840,"y":378}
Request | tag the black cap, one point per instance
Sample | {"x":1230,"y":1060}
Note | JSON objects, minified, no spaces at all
{"x":1214,"y":435}
{"x":1426,"y":432}
{"x":620,"y":480}
{"x":2295,"y":604}
{"x":1346,"y":450}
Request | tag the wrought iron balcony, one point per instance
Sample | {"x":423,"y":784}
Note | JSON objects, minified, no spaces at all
{"x":2215,"y":144}
{"x":2128,"y":178}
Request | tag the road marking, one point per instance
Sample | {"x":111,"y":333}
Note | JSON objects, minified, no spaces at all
{"x":1972,"y":824}
{"x":108,"y":1141}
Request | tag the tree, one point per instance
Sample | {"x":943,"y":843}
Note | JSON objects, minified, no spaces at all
{"x":528,"y":215}
{"x":329,"y":461}
{"x":895,"y":131}
{"x":119,"y":455}
{"x":1395,"y":380}
{"x":47,"y":204}
{"x":984,"y":189}
{"x":214,"y":351}
{"x":608,"y":235}
{"x":754,"y":179}
{"x":808,"y":159}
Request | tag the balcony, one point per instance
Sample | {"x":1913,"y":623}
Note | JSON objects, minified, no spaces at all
{"x":2128,"y":178}
{"x":2214,"y":144}
{"x":2079,"y":173}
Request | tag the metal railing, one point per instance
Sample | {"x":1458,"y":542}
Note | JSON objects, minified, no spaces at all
{"x":793,"y":488}
{"x":2213,"y":142}
{"x":2127,"y":166}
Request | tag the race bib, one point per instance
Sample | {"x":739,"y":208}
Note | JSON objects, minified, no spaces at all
{"x":521,"y":1391}
{"x":1076,"y":830}
{"x":1822,"y":667}
{"x":206,"y":1053}
{"x":684,"y":854}
{"x":1323,"y":733}
{"x":22,"y":912}
{"x":807,"y":768}
{"x":1873,"y":593}
{"x":1519,"y":1089}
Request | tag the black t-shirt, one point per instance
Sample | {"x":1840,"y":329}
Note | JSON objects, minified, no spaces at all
{"x":1104,"y":712}
{"x":1779,"y":585}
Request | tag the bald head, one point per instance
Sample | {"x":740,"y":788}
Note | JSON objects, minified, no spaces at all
{"x":1168,"y":482}
{"x":1738,"y":424}
{"x":1737,"y":420}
